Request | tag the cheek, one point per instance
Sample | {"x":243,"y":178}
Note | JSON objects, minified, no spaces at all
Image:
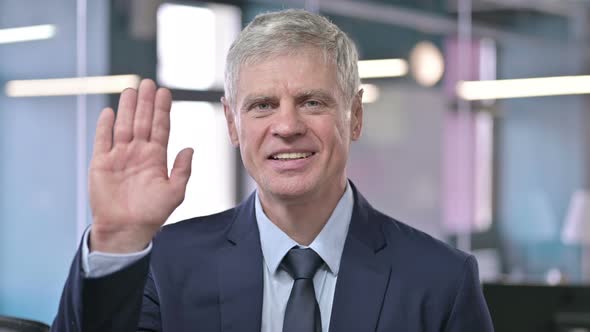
{"x":251,"y":136}
{"x":342,"y":137}
{"x":342,"y":130}
{"x":334,"y":137}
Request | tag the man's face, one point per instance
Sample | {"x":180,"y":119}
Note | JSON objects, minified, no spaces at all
{"x":293,"y":126}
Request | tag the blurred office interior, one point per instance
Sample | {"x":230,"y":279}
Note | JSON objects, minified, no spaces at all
{"x":500,"y":170}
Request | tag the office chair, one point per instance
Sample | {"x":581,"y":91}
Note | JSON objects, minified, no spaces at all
{"x":13,"y":324}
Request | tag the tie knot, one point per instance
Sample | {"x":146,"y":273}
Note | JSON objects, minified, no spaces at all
{"x":302,"y":263}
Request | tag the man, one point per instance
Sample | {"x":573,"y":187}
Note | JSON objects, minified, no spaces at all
{"x":305,"y":252}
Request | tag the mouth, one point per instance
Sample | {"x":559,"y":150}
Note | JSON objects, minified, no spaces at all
{"x":291,"y":155}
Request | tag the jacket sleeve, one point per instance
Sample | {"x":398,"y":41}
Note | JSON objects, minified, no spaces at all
{"x":470,"y":311}
{"x":115,"y":302}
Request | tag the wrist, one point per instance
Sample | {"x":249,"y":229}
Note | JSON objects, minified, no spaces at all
{"x":119,"y":241}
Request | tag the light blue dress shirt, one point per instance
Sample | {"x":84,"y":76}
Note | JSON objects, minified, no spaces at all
{"x":278,"y":283}
{"x":275,"y":243}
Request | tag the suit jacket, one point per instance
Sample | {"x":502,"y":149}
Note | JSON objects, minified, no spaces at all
{"x":206,"y":274}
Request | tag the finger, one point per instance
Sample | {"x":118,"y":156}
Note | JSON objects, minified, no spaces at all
{"x":161,"y":126}
{"x":103,"y":139}
{"x":124,"y":123}
{"x":142,"y":124}
{"x":181,"y":171}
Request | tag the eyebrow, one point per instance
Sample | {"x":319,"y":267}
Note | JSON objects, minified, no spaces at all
{"x":316,"y":93}
{"x":323,"y":95}
{"x":252,"y":99}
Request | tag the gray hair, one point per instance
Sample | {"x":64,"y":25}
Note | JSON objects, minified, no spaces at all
{"x":291,"y":30}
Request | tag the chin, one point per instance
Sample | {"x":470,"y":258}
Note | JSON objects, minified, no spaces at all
{"x":288,"y":187}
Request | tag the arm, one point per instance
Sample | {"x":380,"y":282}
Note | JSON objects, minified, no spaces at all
{"x":470,"y":311}
{"x":98,"y":264}
{"x":131,"y":196}
{"x":109,"y":303}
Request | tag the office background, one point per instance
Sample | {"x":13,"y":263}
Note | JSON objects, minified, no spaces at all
{"x":494,"y":177}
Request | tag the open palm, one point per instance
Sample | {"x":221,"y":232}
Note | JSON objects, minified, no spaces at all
{"x":131,"y":194}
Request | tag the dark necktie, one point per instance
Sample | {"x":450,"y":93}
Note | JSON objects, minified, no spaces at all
{"x":303,"y":312}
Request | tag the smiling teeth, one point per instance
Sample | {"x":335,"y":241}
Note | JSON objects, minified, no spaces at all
{"x":295,"y":155}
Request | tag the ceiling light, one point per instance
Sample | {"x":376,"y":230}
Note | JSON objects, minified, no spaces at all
{"x":382,"y":68}
{"x":71,"y":86}
{"x":35,"y":32}
{"x":426,"y":63}
{"x":524,"y":87}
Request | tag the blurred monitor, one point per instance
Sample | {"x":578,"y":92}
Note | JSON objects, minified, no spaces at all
{"x":538,"y":308}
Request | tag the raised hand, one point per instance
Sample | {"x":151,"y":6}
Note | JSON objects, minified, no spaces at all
{"x":131,"y":194}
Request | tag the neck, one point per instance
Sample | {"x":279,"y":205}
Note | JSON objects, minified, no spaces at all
{"x":302,"y":218}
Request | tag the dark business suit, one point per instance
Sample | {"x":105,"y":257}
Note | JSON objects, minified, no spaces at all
{"x":206,"y":274}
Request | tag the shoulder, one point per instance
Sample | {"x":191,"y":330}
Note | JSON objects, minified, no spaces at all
{"x":210,"y":223}
{"x":199,"y":231}
{"x":404,"y":242}
{"x":434,"y":279}
{"x":400,"y":236}
{"x":422,"y":259}
{"x":407,"y":245}
{"x":183,"y":246}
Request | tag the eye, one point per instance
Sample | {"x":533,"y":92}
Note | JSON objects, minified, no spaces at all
{"x":262,"y":106}
{"x":312,"y":103}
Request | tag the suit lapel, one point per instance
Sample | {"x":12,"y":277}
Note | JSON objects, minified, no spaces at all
{"x":364,"y":273}
{"x":240,"y":273}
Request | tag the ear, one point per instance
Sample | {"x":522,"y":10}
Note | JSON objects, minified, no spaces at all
{"x":231,"y":122}
{"x":356,"y":116}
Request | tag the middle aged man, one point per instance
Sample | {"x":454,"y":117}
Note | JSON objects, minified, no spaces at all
{"x":305,"y":252}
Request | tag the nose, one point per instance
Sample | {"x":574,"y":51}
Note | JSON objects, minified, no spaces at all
{"x":288,"y":122}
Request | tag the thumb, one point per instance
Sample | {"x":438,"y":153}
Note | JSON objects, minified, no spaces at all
{"x":181,"y":171}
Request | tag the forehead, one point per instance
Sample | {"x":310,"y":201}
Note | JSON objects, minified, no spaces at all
{"x":290,"y":72}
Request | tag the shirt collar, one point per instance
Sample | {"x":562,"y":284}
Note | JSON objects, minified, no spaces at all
{"x":329,"y":243}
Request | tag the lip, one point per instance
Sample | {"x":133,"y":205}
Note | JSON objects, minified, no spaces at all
{"x":291,"y":150}
{"x":293,"y":165}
